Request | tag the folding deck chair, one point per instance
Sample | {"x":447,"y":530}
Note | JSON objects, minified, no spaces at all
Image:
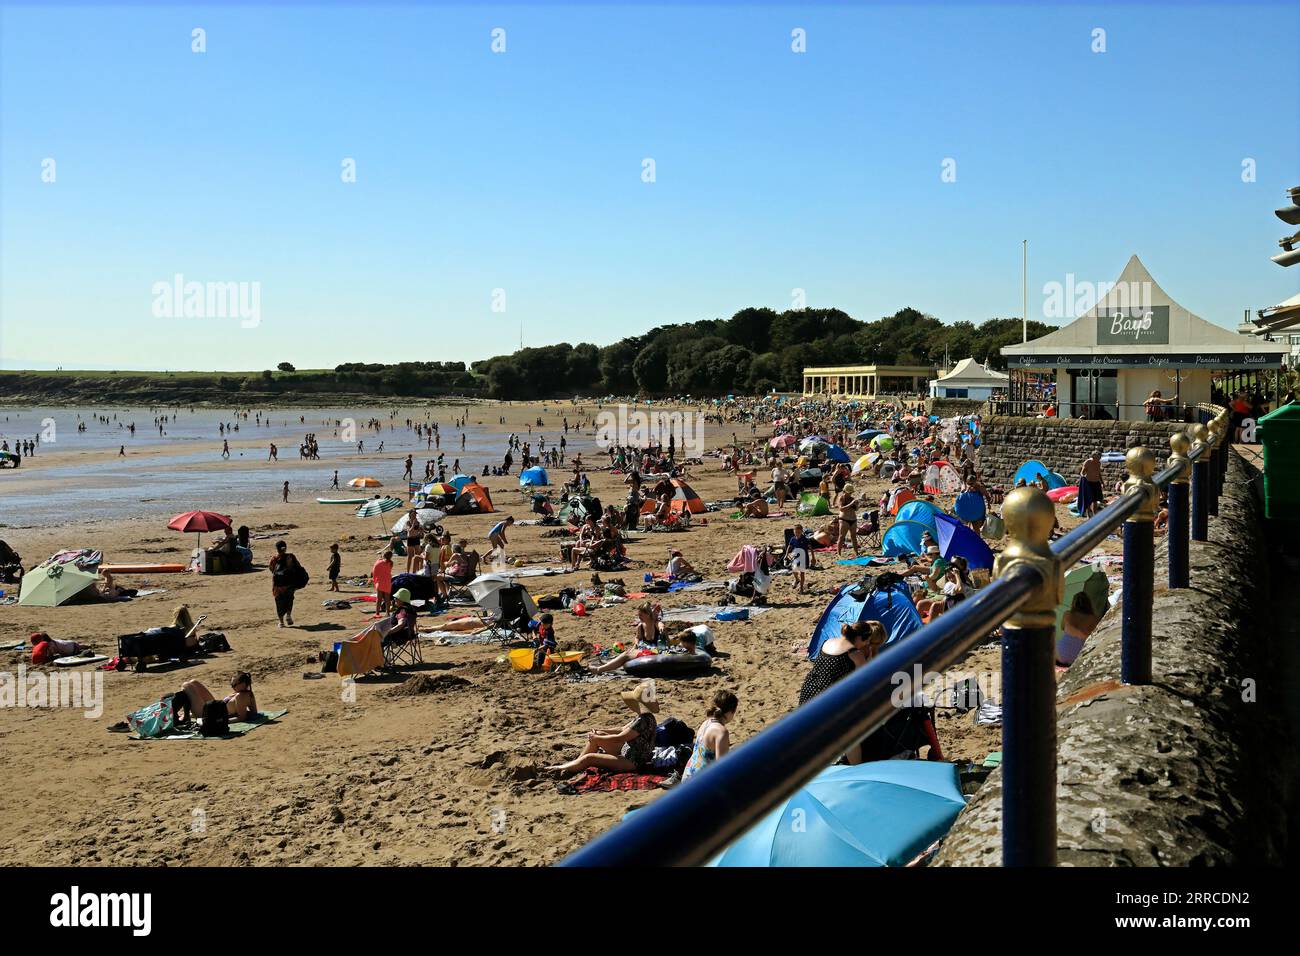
{"x":505,"y":607}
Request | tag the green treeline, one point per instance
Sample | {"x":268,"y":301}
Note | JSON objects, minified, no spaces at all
{"x":753,"y":352}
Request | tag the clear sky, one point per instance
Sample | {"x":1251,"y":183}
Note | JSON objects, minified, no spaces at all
{"x":522,"y":171}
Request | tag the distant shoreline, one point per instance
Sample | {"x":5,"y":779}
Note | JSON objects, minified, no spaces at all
{"x":306,"y":388}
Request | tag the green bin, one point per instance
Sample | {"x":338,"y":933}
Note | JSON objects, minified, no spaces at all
{"x":1279,"y":433}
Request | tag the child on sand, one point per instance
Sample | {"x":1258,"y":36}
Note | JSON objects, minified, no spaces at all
{"x":382,"y":575}
{"x":336,"y":562}
{"x":497,"y":537}
{"x":545,"y":642}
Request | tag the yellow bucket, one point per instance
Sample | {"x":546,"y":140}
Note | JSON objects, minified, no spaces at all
{"x":521,"y":659}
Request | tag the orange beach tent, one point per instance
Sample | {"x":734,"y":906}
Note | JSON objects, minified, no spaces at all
{"x":684,"y":499}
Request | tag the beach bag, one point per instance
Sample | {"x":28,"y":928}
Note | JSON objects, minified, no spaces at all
{"x":216,"y":719}
{"x":152,"y":721}
{"x":673,"y":732}
{"x":994,"y":528}
{"x":298,"y":576}
{"x":213,"y":642}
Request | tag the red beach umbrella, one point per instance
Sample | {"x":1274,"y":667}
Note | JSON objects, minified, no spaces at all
{"x":200,"y":521}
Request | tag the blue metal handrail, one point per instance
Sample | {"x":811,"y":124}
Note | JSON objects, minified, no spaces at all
{"x":692,"y":824}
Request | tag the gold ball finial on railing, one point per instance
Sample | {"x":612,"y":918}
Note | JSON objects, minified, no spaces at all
{"x":1141,"y":465}
{"x":1179,"y":445}
{"x":1200,"y":435}
{"x":1030,"y":516}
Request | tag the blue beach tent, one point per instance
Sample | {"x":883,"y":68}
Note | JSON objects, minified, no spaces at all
{"x":1030,"y":471}
{"x":958,"y":541}
{"x":892,"y":607}
{"x":920,"y":511}
{"x":904,"y":537}
{"x":534,"y":476}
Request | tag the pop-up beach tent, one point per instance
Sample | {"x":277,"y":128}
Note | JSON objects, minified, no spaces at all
{"x":473,"y":498}
{"x":1030,"y":471}
{"x":811,"y":504}
{"x":903,"y":537}
{"x":958,"y":541}
{"x":920,"y":511}
{"x":891,"y":606}
{"x":534,"y":476}
{"x":941,"y":478}
{"x":684,"y":499}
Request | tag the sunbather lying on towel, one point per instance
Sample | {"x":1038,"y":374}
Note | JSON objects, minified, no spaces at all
{"x":193,"y":696}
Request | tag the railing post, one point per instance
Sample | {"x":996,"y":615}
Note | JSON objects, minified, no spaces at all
{"x":1201,"y":484}
{"x":1139,"y":569}
{"x":1178,"y":494}
{"x":1212,"y":473}
{"x":1029,"y":686}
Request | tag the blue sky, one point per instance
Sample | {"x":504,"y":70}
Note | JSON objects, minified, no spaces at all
{"x":522,"y":170}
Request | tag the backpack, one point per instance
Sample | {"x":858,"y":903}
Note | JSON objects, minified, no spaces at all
{"x":673,"y":732}
{"x":298,"y":577}
{"x":216,"y":719}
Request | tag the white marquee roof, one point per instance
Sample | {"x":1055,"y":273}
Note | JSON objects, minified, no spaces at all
{"x":1190,"y":337}
{"x":971,"y":373}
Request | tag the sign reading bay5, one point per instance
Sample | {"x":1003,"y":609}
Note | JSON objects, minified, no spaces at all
{"x":1133,"y":325}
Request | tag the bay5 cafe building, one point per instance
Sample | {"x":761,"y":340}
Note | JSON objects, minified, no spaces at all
{"x":1137,"y":354}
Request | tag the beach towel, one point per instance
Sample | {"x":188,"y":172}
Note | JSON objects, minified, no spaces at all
{"x":593,"y":781}
{"x":237,"y":728}
{"x":865,"y":561}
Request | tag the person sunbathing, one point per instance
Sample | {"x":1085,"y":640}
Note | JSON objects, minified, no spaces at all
{"x":756,"y":506}
{"x":1076,"y":626}
{"x":241,"y":703}
{"x":648,"y":628}
{"x":620,"y":749}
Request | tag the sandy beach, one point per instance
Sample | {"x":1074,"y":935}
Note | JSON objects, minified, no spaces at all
{"x":444,"y":777}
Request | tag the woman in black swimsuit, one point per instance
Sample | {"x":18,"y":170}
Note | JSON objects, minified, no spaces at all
{"x":836,"y":660}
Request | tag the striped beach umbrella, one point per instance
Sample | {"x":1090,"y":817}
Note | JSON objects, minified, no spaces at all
{"x":377,"y":506}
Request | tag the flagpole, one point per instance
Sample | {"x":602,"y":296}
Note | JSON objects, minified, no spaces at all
{"x":1024,"y":291}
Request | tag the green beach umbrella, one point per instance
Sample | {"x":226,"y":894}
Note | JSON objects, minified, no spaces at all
{"x":1086,"y":577}
{"x":53,"y":584}
{"x":377,"y":506}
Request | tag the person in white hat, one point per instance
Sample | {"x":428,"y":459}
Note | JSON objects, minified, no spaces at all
{"x":621,"y":749}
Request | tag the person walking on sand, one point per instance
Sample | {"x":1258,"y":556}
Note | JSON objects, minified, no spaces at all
{"x":409,"y":466}
{"x":121,"y":452}
{"x":336,"y":563}
{"x":225,"y":450}
{"x":285,"y":578}
{"x":286,"y":492}
{"x":272,"y":455}
{"x":336,"y":479}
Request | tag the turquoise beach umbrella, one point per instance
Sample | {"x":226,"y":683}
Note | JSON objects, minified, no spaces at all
{"x":882,"y":813}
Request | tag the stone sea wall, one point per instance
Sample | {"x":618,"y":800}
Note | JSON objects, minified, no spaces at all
{"x":1063,"y":444}
{"x":1187,"y":771}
